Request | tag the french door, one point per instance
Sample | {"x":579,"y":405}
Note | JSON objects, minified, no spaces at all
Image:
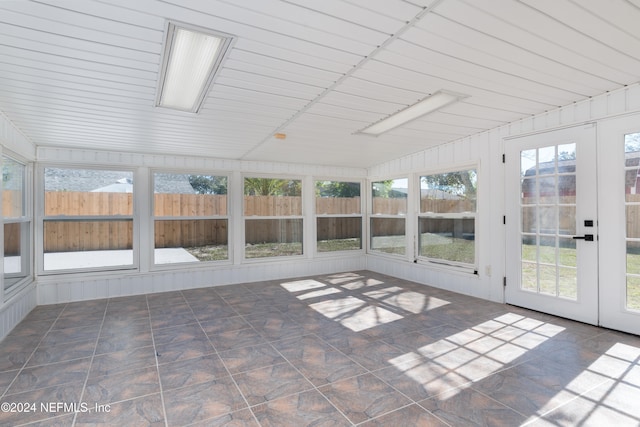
{"x":573,"y":223}
{"x":552,"y":224}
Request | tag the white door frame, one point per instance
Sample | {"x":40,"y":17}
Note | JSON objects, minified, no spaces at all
{"x":612,"y":273}
{"x":585,"y":307}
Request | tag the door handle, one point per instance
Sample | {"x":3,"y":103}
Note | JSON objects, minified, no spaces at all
{"x":586,"y":237}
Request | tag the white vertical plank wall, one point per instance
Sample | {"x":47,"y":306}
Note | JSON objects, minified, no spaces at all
{"x":486,"y":149}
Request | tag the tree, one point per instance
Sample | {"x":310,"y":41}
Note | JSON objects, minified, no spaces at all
{"x":204,"y":184}
{"x":272,"y":187}
{"x":337,"y":189}
{"x":463,"y":183}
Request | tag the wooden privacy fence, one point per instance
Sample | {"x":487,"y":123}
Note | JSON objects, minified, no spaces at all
{"x":82,"y":235}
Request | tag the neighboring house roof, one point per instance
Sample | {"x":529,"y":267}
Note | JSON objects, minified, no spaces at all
{"x":60,"y":179}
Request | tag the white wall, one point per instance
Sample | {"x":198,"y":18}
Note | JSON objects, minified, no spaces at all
{"x":486,"y":150}
{"x":15,"y":307}
{"x":82,"y":286}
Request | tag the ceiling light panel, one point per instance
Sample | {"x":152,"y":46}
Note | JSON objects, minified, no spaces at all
{"x":192,"y":57}
{"x":428,"y":105}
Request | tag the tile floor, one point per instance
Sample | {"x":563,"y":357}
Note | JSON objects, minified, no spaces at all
{"x":338,"y":350}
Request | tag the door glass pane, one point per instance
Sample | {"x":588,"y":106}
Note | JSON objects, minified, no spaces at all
{"x":548,"y":211}
{"x":632,"y":209}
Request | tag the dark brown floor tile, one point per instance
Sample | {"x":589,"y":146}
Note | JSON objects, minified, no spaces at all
{"x":59,"y":421}
{"x":300,"y":348}
{"x":231,"y":290}
{"x":270,"y":383}
{"x":375,"y":355}
{"x":15,"y":352}
{"x":216,"y":326}
{"x":192,"y":371}
{"x":143,"y":411}
{"x":547,"y":385}
{"x":229,"y":340}
{"x":419,"y":378}
{"x":6,"y":378}
{"x":305,"y":409}
{"x":165,"y":299}
{"x":79,"y":320}
{"x":45,"y":312}
{"x":122,"y":386}
{"x":122,"y":361}
{"x":31,"y":329}
{"x":50,"y":375}
{"x":213,"y":314}
{"x":172,"y":316}
{"x":45,"y":354}
{"x":347,"y":339}
{"x":203,"y":401}
{"x":249,"y":358}
{"x":413,"y":415}
{"x":467,"y":407}
{"x":127,"y":327}
{"x":125,"y":339}
{"x":181,"y":343}
{"x":611,"y":404}
{"x":70,"y":335}
{"x":67,"y":393}
{"x":242,"y":418}
{"x":363,"y":397}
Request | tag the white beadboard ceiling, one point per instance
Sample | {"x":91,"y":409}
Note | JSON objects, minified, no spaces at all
{"x":83,"y":73}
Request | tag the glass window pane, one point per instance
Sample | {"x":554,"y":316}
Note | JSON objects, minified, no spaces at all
{"x":633,"y":292}
{"x":529,"y":249}
{"x":390,"y":197}
{"x":529,"y":280}
{"x":388,"y":235}
{"x":529,"y":219}
{"x":12,"y":188}
{"x":337,"y":197}
{"x":451,"y":192}
{"x":548,"y":280}
{"x":547,"y":193}
{"x":633,"y":221}
{"x":339,"y":234}
{"x":548,"y":220}
{"x":528,"y":161}
{"x":568,"y":282}
{"x":16,"y":252}
{"x":190,"y":240}
{"x":189,"y":195}
{"x":273,"y":237}
{"x":633,"y":257}
{"x":87,"y":244}
{"x":447,"y":239}
{"x":567,"y":220}
{"x":547,"y":160}
{"x":272,"y":197}
{"x":86,"y":192}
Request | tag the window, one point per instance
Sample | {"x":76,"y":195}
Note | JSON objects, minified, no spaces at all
{"x":88,"y":219}
{"x":16,"y":223}
{"x":632,"y":202}
{"x":447,"y":218}
{"x":273,"y":217}
{"x":338,"y":216}
{"x":389,"y":209}
{"x":190,"y":218}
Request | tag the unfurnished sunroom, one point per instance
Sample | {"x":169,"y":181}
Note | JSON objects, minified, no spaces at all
{"x":360,"y":171}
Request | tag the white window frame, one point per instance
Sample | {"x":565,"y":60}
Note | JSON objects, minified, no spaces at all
{"x":154,"y":218}
{"x":246,"y":218}
{"x":448,"y":264}
{"x":361,"y":215}
{"x":371,"y":216}
{"x":26,"y":218}
{"x":41,"y":218}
